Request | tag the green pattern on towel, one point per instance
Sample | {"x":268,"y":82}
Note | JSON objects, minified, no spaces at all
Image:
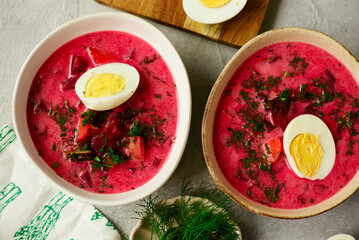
{"x":98,"y":215}
{"x":7,"y":136}
{"x":41,"y":226}
{"x":8,"y":194}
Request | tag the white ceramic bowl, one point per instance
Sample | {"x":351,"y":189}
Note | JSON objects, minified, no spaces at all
{"x":98,"y":22}
{"x":279,"y":35}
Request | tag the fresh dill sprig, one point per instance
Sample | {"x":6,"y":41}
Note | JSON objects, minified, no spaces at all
{"x":189,"y":217}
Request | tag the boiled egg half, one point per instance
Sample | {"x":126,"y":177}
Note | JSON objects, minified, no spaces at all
{"x":309,"y":147}
{"x":107,"y":86}
{"x":212,"y":11}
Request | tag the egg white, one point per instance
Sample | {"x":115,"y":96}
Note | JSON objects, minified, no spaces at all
{"x":202,"y":14}
{"x":130,"y":76}
{"x":307,"y":123}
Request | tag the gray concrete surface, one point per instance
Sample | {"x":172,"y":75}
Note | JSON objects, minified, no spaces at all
{"x":23,"y":23}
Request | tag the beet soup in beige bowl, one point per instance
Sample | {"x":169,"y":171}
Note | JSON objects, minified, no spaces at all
{"x":280,"y":129}
{"x":102,"y":107}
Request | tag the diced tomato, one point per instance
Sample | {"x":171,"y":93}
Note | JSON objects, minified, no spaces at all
{"x":84,"y":132}
{"x":137,"y":148}
{"x":98,"y":57}
{"x":275,"y":148}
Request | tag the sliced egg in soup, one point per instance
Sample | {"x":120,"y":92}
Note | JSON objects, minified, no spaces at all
{"x":309,"y":147}
{"x":107,"y":86}
{"x":212,"y":11}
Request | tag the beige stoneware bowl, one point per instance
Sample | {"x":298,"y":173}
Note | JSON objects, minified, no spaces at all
{"x":274,"y":36}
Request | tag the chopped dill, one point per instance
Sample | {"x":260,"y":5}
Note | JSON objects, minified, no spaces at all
{"x":54,"y":147}
{"x":61,"y":115}
{"x":88,"y":117}
{"x":135,"y":130}
{"x":55,"y":165}
{"x":108,"y":161}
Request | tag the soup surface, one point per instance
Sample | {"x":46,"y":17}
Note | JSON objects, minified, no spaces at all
{"x":273,"y":86}
{"x":103,"y":151}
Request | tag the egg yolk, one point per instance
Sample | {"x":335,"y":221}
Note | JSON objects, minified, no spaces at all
{"x":307,"y":153}
{"x":104,"y":84}
{"x":214,"y":3}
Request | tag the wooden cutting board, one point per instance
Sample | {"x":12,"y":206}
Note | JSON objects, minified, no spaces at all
{"x":236,"y":31}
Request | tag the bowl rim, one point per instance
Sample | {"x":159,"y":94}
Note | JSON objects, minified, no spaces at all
{"x":183,"y":114}
{"x":207,"y":136}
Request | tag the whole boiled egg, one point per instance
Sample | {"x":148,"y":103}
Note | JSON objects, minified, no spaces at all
{"x":309,"y":147}
{"x":212,"y":11}
{"x":107,"y":86}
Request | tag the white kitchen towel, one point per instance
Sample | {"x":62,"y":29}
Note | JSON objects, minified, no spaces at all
{"x":32,"y":209}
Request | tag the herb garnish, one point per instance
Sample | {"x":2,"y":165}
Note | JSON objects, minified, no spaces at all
{"x":189,"y":218}
{"x":55,"y":165}
{"x":135,"y":130}
{"x":235,"y":139}
{"x":88,"y":117}
{"x":299,"y":65}
{"x":259,"y":83}
{"x":273,"y":193}
{"x":108,"y":161}
{"x":62,"y":115}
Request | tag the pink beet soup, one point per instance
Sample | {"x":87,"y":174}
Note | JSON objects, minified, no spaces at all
{"x":273,"y":86}
{"x":110,"y":151}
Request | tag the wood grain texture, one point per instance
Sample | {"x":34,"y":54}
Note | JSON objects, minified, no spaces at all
{"x":236,"y":31}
